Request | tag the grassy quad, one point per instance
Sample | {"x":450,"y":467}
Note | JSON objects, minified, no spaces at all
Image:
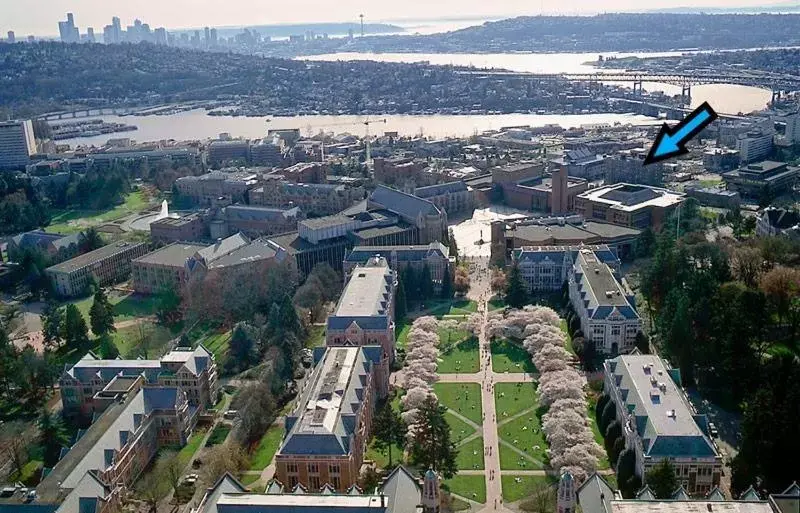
{"x":266,"y":448}
{"x":463,"y":398}
{"x":519,"y":487}
{"x":470,"y":455}
{"x":510,"y":357}
{"x":513,"y":398}
{"x":72,"y":221}
{"x":460,"y":358}
{"x":469,"y":487}
{"x":525,"y":434}
{"x":459,"y":429}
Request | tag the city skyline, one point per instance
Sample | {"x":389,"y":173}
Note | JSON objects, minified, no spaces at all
{"x":40,"y":17}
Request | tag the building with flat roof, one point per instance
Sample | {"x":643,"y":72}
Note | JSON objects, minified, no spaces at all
{"x":254,"y":221}
{"x":660,"y":423}
{"x":17,"y":144}
{"x":164,"y":268}
{"x":435,"y":255}
{"x":582,"y":163}
{"x":718,"y":160}
{"x":106,"y":265}
{"x":217,"y":188}
{"x":516,"y":172}
{"x":193,"y":370}
{"x":223,"y":152}
{"x":318,"y":199}
{"x":597,"y":495}
{"x":537,"y":193}
{"x":714,"y":197}
{"x":399,"y":492}
{"x":451,"y":197}
{"x":635,"y":206}
{"x":327,"y":432}
{"x":189,"y":227}
{"x":754,"y":145}
{"x":546,"y":268}
{"x":605,"y":307}
{"x":753,"y":181}
{"x":627,"y":166}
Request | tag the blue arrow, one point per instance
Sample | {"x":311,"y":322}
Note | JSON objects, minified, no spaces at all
{"x":671,"y":142}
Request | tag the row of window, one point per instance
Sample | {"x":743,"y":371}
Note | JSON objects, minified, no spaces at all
{"x":313,"y":468}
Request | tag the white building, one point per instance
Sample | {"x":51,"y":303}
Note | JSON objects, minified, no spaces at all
{"x":606,"y":309}
{"x":754,"y":146}
{"x":658,"y":422}
{"x":546,"y":268}
{"x":17,"y":143}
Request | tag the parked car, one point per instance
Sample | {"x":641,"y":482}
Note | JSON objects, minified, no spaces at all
{"x":230,"y":414}
{"x":712,"y":430}
{"x":191,"y":479}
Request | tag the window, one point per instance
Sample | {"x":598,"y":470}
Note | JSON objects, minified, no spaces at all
{"x":335,"y":468}
{"x":337,"y":483}
{"x":292,"y":481}
{"x":313,"y":483}
{"x":291,"y":468}
{"x":616,"y":330}
{"x":313,"y":468}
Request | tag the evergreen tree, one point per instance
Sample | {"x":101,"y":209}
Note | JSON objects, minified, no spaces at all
{"x":626,"y":472}
{"x":52,"y":436}
{"x":447,"y":284}
{"x":75,"y":334}
{"x":612,"y":434}
{"x":451,"y":244}
{"x":242,"y":352}
{"x":101,"y":314}
{"x":608,"y":416}
{"x":426,"y":283}
{"x":431,"y":446}
{"x":388,"y":429}
{"x":400,"y":303}
{"x":52,"y":319}
{"x":662,"y":479}
{"x":411,"y":283}
{"x":516,"y":291}
{"x":92,"y":240}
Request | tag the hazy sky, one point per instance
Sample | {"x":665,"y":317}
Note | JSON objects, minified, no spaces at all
{"x":40,"y":17}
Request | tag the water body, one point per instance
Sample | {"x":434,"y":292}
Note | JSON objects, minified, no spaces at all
{"x":196,"y":125}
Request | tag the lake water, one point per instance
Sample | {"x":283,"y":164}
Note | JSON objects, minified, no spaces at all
{"x":196,"y":124}
{"x":193,"y":125}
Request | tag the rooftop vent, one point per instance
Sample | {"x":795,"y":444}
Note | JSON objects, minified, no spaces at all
{"x":671,"y":414}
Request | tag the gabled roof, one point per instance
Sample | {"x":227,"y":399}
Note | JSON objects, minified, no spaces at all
{"x":407,"y":205}
{"x":645,"y":494}
{"x":225,"y":484}
{"x":403,"y":491}
{"x":681,"y":495}
{"x":595,"y":494}
{"x":439,"y":189}
{"x":715,"y":495}
{"x":86,"y":494}
{"x":750,"y":495}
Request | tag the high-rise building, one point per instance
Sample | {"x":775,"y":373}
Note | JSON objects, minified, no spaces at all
{"x":206,"y":36}
{"x":68,"y":31}
{"x":214,"y":37}
{"x":90,"y":35}
{"x":17,"y":143}
{"x":11,"y":37}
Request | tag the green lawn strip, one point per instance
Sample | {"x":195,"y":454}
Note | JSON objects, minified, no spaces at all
{"x":464,"y":398}
{"x":470,"y":455}
{"x":461,"y":358}
{"x":524,"y":433}
{"x":602,"y":463}
{"x":219,"y":435}
{"x":132,"y":306}
{"x":463,"y":307}
{"x":266,"y":448}
{"x":381,"y":458}
{"x":187,"y":451}
{"x":512,"y":398}
{"x":469,"y":487}
{"x":30,"y":475}
{"x":496,"y":304}
{"x":459,"y":429}
{"x":316,"y":337}
{"x":72,"y":220}
{"x":612,"y":480}
{"x":129,"y":340}
{"x":401,"y":332}
{"x":249,"y":479}
{"x":519,"y":487}
{"x":508,"y":356}
{"x":218,"y":344}
{"x":568,"y":341}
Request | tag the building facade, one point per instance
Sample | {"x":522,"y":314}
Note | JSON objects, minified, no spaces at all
{"x":606,"y":309}
{"x":452,"y":197}
{"x":163,"y":269}
{"x":754,"y":145}
{"x":634,"y":206}
{"x":660,"y":423}
{"x":313,"y":198}
{"x":546,"y":268}
{"x":17,"y":144}
{"x":107,"y":265}
{"x":755,"y":180}
{"x":435,"y":255}
{"x":327,"y":432}
{"x":57,"y":247}
{"x":217,"y":188}
{"x":429,"y":220}
{"x":254,"y":221}
{"x":190,"y":227}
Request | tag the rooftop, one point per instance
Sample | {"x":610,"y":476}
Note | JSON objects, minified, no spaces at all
{"x":367,"y":292}
{"x":628,"y":197}
{"x":407,"y":205}
{"x":290,"y":502}
{"x":92,"y":257}
{"x":327,"y":221}
{"x":174,"y":255}
{"x":664,"y":419}
{"x":599,"y":288}
{"x":222,"y":247}
{"x":690,"y":506}
{"x":260,"y":249}
{"x":176,"y":221}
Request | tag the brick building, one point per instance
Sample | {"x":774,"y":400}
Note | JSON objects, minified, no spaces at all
{"x":312,"y":198}
{"x":635,"y":206}
{"x":217,"y":188}
{"x":164,"y":268}
{"x":106,"y":265}
{"x":190,"y":227}
{"x":435,"y":255}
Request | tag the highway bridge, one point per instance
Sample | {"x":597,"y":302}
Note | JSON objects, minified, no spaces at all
{"x":777,"y":83}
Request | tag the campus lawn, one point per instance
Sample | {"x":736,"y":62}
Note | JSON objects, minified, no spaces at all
{"x":512,"y":398}
{"x":459,"y":429}
{"x":401,"y":332}
{"x":602,"y":463}
{"x":71,"y":220}
{"x":470,"y":455}
{"x":145,"y":339}
{"x":519,"y":487}
{"x":219,"y":435}
{"x":450,"y":336}
{"x":266,"y":448}
{"x":508,"y":356}
{"x":568,"y":341}
{"x":469,"y":487}
{"x":461,"y":358}
{"x":187,"y":451}
{"x":381,"y":458}
{"x":525,"y":434}
{"x":250,"y":479}
{"x":463,"y":307}
{"x":464,"y":398}
{"x":496,"y":304}
{"x":218,"y":344}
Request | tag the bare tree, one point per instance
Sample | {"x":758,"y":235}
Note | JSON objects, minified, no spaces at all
{"x":14,"y":439}
{"x":227,"y":457}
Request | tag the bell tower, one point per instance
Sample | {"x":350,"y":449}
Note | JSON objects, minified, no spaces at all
{"x":567,"y":501}
{"x":430,"y":492}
